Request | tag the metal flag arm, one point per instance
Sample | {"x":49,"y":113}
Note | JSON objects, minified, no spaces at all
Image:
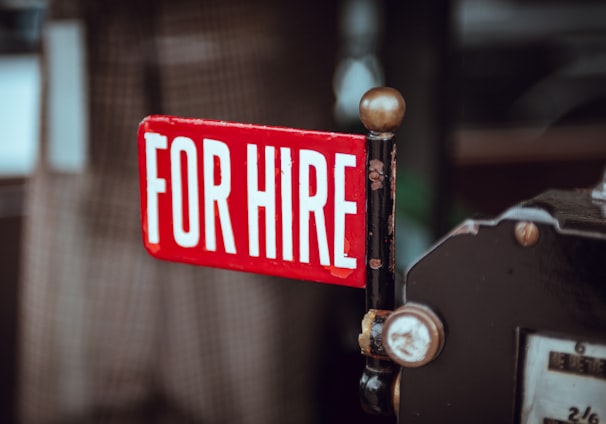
{"x":381,"y":111}
{"x":413,"y":335}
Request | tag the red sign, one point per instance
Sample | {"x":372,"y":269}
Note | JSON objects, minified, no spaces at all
{"x":267,"y":200}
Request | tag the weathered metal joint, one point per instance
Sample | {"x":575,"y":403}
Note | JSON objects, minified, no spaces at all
{"x":371,"y":338}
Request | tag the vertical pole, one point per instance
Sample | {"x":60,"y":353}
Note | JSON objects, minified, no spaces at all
{"x":381,"y":111}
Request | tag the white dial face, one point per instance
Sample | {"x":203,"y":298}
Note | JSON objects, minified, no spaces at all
{"x":409,"y":338}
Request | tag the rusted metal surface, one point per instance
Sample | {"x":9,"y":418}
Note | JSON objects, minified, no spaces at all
{"x":375,"y":263}
{"x":380,"y":228}
{"x":381,"y":112}
{"x":371,"y":338}
{"x":376,"y":174}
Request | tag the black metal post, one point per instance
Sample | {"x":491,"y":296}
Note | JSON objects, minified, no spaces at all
{"x":381,"y":111}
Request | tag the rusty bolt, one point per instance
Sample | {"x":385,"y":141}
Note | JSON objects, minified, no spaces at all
{"x":526,"y":233}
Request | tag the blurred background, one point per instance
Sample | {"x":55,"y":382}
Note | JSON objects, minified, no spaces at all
{"x":505,"y":98}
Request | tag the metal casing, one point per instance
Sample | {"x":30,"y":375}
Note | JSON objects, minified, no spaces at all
{"x":489,"y":290}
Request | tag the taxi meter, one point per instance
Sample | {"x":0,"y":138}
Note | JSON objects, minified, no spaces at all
{"x":503,"y":321}
{"x":523,"y":302}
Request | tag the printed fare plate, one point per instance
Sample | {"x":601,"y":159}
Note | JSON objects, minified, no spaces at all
{"x":564,"y":381}
{"x":267,"y":200}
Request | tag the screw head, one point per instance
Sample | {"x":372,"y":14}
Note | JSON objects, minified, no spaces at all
{"x":413,"y":335}
{"x":579,"y":348}
{"x":526,"y":233}
{"x":382,"y":109}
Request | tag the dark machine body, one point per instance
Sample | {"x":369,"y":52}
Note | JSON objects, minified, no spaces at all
{"x":537,"y":270}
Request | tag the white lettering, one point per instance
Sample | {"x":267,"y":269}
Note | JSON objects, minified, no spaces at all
{"x":315,"y":203}
{"x":217,"y":194}
{"x":192,"y":237}
{"x":342,"y":207}
{"x":261,"y":191}
{"x":286,"y":190}
{"x":258,"y":199}
{"x":155,"y":185}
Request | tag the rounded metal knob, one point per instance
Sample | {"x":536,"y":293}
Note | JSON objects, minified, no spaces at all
{"x":382,"y":109}
{"x":413,"y":335}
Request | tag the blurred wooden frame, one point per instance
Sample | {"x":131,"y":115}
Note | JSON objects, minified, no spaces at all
{"x":528,"y":144}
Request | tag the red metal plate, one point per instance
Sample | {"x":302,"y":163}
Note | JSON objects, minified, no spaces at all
{"x":267,"y":200}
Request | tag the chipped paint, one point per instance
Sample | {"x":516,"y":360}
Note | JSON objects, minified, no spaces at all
{"x":393,"y":173}
{"x":376,"y":174}
{"x":370,"y":339}
{"x":467,"y":227}
{"x":339,"y":272}
{"x":375,"y":263}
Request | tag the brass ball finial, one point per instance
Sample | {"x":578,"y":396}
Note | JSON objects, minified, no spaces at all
{"x":382,"y":109}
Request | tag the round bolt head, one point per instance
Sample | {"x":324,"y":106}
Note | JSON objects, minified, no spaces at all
{"x":526,"y":233}
{"x":382,"y":109}
{"x":413,"y":335}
